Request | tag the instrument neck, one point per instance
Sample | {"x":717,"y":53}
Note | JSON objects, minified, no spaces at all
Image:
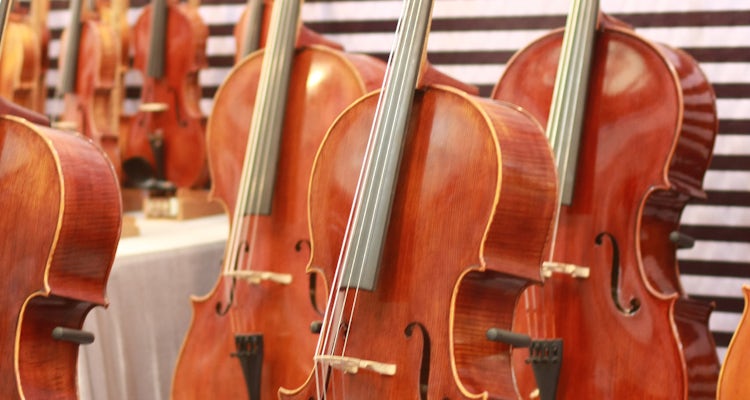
{"x":377,"y":181}
{"x":69,"y":70}
{"x":253,"y":27}
{"x":157,"y":45}
{"x":255,"y":193}
{"x":567,"y":111}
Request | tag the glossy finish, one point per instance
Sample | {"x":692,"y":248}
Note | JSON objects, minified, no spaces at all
{"x":474,"y":199}
{"x":647,"y":140}
{"x":180,"y":125}
{"x":60,"y":226}
{"x":323,"y":82}
{"x":733,"y":383}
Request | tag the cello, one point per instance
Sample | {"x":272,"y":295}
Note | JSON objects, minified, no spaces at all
{"x":55,"y":269}
{"x":166,"y":139}
{"x":244,"y":340}
{"x":733,"y":382}
{"x":633,"y":125}
{"x":90,"y":59}
{"x":450,"y":213}
{"x":245,"y":323}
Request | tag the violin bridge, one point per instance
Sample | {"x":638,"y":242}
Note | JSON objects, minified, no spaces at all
{"x":256,"y":277}
{"x":575,"y":271}
{"x":352,"y":365}
{"x":153,"y":107}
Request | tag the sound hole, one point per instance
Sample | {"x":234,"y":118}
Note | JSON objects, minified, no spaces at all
{"x":635,"y":304}
{"x":424,"y":371}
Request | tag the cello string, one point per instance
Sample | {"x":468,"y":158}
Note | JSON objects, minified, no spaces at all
{"x":383,"y":129}
{"x":255,"y":164}
{"x":354,"y":227}
{"x":576,"y":48}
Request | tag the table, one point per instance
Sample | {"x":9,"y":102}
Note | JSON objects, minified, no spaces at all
{"x":138,"y":337}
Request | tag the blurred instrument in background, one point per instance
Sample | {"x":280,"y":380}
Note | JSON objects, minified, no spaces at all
{"x":166,"y":140}
{"x":90,"y":64}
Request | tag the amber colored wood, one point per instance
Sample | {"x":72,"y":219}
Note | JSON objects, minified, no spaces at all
{"x":733,"y":382}
{"x":323,"y":82}
{"x":20,"y":63}
{"x":61,"y":224}
{"x":647,"y":140}
{"x":180,"y":125}
{"x":91,"y":108}
{"x":472,"y":208}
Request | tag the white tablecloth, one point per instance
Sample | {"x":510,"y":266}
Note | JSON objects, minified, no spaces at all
{"x":138,"y":336}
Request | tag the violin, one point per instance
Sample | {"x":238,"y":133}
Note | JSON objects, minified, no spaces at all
{"x":90,"y":59}
{"x":733,"y":382}
{"x":450,"y":212}
{"x":166,"y":140}
{"x":55,"y":269}
{"x":632,"y":144}
{"x":20,"y":63}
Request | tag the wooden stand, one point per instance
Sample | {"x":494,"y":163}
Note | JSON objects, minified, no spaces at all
{"x":129,"y":227}
{"x":132,"y":199}
{"x":185,"y":204}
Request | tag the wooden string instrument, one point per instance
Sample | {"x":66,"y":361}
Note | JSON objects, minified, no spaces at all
{"x":20,"y":63}
{"x":90,"y":64}
{"x":252,"y":331}
{"x":55,"y":268}
{"x":733,"y":383}
{"x":262,"y":178}
{"x":632,"y":124}
{"x":449,"y":216}
{"x":166,"y":140}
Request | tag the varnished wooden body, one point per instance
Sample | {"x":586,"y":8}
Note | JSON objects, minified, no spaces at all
{"x":180,"y":125}
{"x":90,"y":108}
{"x":20,"y":64}
{"x":60,"y":224}
{"x":647,"y":140}
{"x":323,"y":83}
{"x":470,"y":217}
{"x":733,"y":382}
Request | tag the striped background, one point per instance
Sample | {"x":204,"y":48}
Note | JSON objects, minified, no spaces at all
{"x":472,"y":39}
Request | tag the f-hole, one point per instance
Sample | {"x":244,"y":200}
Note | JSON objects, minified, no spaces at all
{"x":181,"y":119}
{"x":635,"y":304}
{"x":424,"y":370}
{"x":313,"y":278}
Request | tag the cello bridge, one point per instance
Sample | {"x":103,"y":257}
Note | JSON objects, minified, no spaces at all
{"x":256,"y":277}
{"x":575,"y":271}
{"x":351,"y":365}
